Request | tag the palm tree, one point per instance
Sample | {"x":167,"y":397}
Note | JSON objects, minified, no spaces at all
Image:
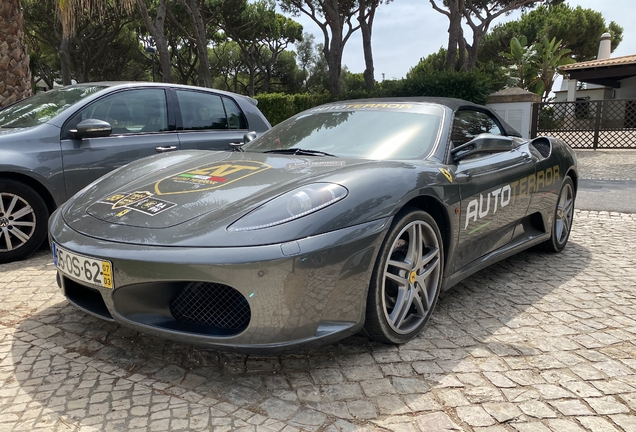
{"x":15,"y":75}
{"x":68,"y":14}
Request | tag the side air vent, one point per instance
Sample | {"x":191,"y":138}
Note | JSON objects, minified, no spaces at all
{"x":543,"y":146}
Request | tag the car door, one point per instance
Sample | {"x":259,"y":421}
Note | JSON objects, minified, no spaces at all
{"x":494,"y":195}
{"x":208,"y":121}
{"x":141,"y":126}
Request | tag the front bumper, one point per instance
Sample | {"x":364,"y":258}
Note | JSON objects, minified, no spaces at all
{"x":300,"y":293}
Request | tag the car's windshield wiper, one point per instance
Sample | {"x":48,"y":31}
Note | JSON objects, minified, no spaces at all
{"x":299,"y":151}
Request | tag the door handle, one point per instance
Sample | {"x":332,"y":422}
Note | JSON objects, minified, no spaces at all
{"x":165,"y":149}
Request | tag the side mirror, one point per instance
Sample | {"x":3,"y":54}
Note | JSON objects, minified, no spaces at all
{"x":250,"y":136}
{"x":92,"y":128}
{"x":483,"y":143}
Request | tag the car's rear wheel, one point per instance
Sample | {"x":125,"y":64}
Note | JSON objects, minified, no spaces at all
{"x":406,"y":280}
{"x":23,"y":219}
{"x":562,"y":218}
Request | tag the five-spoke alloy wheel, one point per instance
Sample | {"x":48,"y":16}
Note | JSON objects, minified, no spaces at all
{"x":406,"y":280}
{"x":562,"y":218}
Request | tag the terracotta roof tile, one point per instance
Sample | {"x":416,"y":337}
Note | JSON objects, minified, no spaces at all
{"x":624,"y":60}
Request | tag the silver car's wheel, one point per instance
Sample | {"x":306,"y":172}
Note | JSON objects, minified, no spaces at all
{"x":406,"y":280}
{"x":17,"y":222}
{"x":562,"y":218}
{"x":23,"y":217}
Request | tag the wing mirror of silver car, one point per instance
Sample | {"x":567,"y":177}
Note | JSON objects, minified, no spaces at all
{"x":92,"y":128}
{"x":246,"y":138}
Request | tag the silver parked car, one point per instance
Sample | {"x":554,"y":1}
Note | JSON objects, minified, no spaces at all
{"x":55,"y":143}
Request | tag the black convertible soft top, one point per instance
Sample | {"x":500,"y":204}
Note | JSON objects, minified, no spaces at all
{"x":452,"y":103}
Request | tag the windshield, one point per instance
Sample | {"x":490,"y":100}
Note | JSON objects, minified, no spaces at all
{"x":392,"y":131}
{"x":44,"y":106}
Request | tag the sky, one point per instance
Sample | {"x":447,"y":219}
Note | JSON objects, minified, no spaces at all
{"x":404,"y":31}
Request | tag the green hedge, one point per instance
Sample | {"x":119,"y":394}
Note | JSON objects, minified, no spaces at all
{"x":472,"y":86}
{"x":277,"y":107}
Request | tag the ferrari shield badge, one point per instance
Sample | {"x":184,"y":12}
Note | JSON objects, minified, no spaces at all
{"x":208,"y":177}
{"x":447,"y":174}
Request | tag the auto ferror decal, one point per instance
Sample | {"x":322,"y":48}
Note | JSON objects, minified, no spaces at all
{"x":362,"y":106}
{"x":139,"y":201}
{"x":208,"y":177}
{"x":502,"y":196}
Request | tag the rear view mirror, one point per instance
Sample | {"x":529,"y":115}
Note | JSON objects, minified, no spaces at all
{"x":92,"y":128}
{"x":483,"y":143}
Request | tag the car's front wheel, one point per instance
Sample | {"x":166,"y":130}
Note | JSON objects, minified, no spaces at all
{"x":23,"y":219}
{"x":562,"y":218}
{"x":406,"y":280}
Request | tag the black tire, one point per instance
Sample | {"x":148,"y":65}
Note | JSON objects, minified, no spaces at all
{"x":562,"y":218}
{"x":23,"y":220}
{"x":420,"y":278}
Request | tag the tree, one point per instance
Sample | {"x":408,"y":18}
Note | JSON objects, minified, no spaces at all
{"x":100,"y":50}
{"x":336,"y":20}
{"x":580,"y":30}
{"x":550,"y":55}
{"x":479,"y":15}
{"x":260,"y":32}
{"x":196,"y":12}
{"x":69,"y":13}
{"x":156,"y":28}
{"x":15,"y":75}
{"x":535,"y":67}
{"x":523,"y":70}
{"x":366,"y":15}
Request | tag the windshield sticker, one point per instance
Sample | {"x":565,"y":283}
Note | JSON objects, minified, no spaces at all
{"x":447,"y":174}
{"x":314,"y":164}
{"x":370,"y":106}
{"x":139,"y":201}
{"x":208,"y":177}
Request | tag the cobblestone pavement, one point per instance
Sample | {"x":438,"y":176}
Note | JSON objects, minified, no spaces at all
{"x":607,"y":164}
{"x":536,"y":343}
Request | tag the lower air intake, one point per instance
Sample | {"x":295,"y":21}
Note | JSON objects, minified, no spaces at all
{"x":212,"y":304}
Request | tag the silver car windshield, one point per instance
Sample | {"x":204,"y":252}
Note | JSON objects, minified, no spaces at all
{"x":391,"y":131}
{"x":44,"y":106}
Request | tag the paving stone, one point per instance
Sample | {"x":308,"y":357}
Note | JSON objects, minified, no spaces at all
{"x":597,"y":424}
{"x":562,"y":425}
{"x":502,"y":411}
{"x":474,"y":416}
{"x":537,"y":409}
{"x":571,"y":407}
{"x":627,"y":422}
{"x":436,"y":422}
{"x":607,"y":405}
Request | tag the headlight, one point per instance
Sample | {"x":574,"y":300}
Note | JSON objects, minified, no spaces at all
{"x":291,"y":205}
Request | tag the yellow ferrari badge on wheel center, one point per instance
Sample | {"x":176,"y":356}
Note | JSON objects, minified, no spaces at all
{"x":412,"y":276}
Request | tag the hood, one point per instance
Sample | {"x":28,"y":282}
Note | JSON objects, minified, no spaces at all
{"x":162,"y":192}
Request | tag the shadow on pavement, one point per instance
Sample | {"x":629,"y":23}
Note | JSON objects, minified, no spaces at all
{"x":488,"y":317}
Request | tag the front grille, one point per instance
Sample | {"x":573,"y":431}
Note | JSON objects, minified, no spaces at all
{"x":211,"y":304}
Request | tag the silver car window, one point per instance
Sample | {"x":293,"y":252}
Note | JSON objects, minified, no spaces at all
{"x":44,"y":106}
